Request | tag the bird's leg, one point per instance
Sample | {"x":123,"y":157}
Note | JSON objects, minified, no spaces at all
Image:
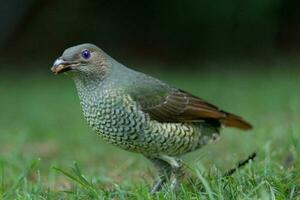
{"x":164,"y":172}
{"x":177,"y":170}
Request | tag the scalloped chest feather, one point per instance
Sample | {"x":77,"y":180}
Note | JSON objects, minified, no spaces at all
{"x":119,"y":120}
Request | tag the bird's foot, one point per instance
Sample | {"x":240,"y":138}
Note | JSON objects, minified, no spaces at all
{"x":170,"y":170}
{"x":174,"y":184}
{"x":177,"y":174}
{"x":177,"y":171}
{"x":157,"y":186}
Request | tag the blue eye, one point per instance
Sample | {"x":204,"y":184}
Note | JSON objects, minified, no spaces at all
{"x":86,"y":54}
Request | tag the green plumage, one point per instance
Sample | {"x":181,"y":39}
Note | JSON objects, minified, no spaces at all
{"x":115,"y":116}
{"x":114,"y":109}
{"x":139,"y":113}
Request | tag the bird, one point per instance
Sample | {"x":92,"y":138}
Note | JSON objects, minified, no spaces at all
{"x":142,"y":114}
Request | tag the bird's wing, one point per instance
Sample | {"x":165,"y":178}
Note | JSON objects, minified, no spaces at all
{"x":166,"y":104}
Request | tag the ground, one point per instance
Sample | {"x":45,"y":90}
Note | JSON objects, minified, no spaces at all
{"x":48,"y":152}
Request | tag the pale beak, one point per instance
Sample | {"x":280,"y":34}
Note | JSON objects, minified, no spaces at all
{"x":60,"y":65}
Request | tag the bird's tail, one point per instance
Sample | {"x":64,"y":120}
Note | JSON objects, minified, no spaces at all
{"x":232,"y":120}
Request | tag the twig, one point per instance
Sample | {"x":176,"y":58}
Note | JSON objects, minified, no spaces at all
{"x":242,"y":163}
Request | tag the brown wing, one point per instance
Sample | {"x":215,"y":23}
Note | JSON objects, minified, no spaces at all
{"x":180,"y":106}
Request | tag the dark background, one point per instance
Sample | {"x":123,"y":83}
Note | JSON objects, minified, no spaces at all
{"x":171,"y":32}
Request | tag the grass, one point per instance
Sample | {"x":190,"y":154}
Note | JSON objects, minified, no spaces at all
{"x":48,"y":152}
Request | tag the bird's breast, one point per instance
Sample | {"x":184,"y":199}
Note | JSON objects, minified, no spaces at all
{"x":114,"y":116}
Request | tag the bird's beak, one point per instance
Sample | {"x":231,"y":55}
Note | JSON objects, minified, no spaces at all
{"x":60,"y":65}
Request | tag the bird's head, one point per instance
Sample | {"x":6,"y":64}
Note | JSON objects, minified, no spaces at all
{"x":84,"y":59}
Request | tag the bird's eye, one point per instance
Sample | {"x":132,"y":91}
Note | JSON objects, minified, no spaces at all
{"x":86,"y":54}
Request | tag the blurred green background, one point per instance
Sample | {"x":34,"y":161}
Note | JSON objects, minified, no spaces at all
{"x":243,"y":56}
